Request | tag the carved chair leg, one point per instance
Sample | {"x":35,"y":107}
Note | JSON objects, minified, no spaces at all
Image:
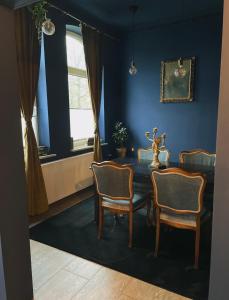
{"x":197,"y":247}
{"x":101,"y":221}
{"x":148,"y":205}
{"x":130,"y":229}
{"x":157,"y":233}
{"x":97,"y":210}
{"x":153,"y":211}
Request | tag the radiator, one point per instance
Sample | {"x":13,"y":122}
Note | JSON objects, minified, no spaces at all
{"x":67,"y":176}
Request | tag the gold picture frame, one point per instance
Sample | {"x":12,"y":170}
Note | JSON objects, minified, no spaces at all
{"x":177,"y":79}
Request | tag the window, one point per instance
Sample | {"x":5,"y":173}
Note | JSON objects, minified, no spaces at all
{"x":80,"y":108}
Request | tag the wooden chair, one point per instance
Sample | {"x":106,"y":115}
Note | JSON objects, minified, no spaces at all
{"x":114,"y":184}
{"x":198,"y":157}
{"x":178,"y":197}
{"x":147,"y":154}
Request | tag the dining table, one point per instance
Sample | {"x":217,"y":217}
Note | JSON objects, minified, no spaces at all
{"x":143,"y":171}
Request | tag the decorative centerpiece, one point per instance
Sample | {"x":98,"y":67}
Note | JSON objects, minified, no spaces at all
{"x":120,"y":137}
{"x":156,"y":142}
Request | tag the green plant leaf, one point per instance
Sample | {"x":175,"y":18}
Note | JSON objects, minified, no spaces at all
{"x":120,"y":134}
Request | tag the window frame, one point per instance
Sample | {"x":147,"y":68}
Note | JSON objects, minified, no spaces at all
{"x":73,"y":70}
{"x":81,"y":73}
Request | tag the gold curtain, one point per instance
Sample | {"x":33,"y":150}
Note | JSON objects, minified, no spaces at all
{"x":27,"y":49}
{"x":92,"y":41}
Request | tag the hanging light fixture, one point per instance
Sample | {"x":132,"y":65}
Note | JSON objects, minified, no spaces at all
{"x":180,"y":71}
{"x":48,"y":26}
{"x":133,"y":70}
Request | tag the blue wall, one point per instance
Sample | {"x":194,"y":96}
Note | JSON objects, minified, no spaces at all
{"x":57,"y":87}
{"x":188,"y":125}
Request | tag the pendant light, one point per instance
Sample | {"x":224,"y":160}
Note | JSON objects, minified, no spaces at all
{"x":133,"y":70}
{"x":48,"y":26}
{"x":180,"y":70}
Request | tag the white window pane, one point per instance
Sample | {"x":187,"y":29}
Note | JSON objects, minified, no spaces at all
{"x":79,"y":96}
{"x":81,"y":114}
{"x":75,"y":52}
{"x":82,"y":123}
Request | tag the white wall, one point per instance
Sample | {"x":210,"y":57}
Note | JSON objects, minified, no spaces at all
{"x":67,"y":176}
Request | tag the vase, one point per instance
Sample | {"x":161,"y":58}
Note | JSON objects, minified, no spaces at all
{"x":121,"y":152}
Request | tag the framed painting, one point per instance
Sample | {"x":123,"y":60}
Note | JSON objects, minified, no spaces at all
{"x":177,"y":78}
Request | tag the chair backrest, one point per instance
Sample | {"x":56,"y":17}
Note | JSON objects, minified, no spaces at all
{"x":164,"y":156}
{"x":147,"y":154}
{"x":178,"y":190}
{"x":113,"y":180}
{"x":198,"y":157}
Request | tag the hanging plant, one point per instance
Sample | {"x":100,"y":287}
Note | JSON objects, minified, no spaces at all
{"x":39,"y":15}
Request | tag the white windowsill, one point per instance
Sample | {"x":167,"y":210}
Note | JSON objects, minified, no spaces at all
{"x":86,"y":147}
{"x":47,"y":156}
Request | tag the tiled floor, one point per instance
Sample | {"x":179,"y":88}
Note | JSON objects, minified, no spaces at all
{"x":61,"y":276}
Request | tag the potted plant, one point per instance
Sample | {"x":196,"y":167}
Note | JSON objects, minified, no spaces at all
{"x":120,"y":137}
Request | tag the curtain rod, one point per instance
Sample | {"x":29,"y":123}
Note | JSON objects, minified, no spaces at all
{"x":80,"y":21}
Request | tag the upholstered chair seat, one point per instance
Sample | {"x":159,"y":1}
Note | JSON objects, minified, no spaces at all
{"x":181,"y":219}
{"x":138,"y":200}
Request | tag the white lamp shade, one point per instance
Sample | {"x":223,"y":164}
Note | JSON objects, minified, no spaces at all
{"x":133,"y":70}
{"x":48,"y":27}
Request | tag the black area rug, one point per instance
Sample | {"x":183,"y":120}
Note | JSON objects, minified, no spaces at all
{"x":75,"y":231}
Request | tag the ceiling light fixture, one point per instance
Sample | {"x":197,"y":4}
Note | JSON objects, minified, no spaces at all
{"x":48,"y":26}
{"x":133,"y":70}
{"x":180,"y":71}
